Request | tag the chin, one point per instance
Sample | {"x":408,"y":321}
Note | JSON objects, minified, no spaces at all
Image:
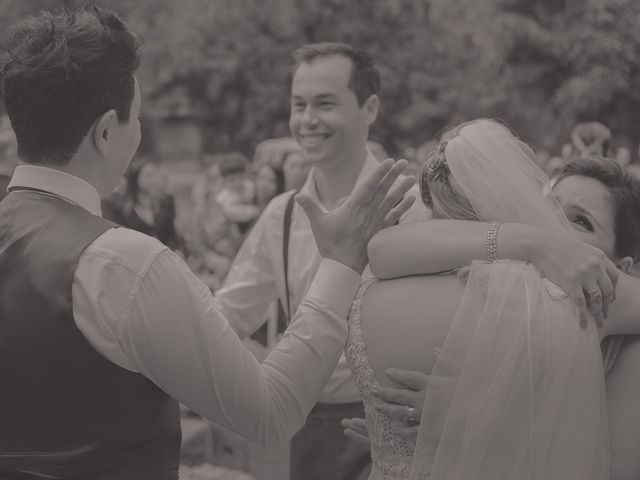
{"x":315,"y":158}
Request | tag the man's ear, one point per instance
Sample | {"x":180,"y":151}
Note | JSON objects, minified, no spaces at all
{"x":102,"y":131}
{"x":370,"y":107}
{"x":625,"y":264}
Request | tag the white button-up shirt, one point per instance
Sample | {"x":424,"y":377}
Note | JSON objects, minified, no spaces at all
{"x":256,"y":277}
{"x":139,"y":305}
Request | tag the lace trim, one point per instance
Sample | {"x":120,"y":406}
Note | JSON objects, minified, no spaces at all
{"x":391,"y":454}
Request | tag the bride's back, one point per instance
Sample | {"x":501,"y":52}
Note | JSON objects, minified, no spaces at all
{"x":404,"y":321}
{"x":397,"y":323}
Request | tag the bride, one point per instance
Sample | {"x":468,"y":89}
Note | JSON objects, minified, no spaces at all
{"x":602,"y":201}
{"x":517,"y":387}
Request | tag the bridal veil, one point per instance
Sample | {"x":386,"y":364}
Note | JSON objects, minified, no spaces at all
{"x":518,"y":388}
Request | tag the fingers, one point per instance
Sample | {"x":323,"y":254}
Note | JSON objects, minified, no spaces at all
{"x":396,"y":395}
{"x":356,"y":428}
{"x":358,"y":437}
{"x":407,"y":432}
{"x":608,"y":292}
{"x":356,"y":423}
{"x":395,"y":195}
{"x":594,"y":298}
{"x":365,"y":192}
{"x":394,"y":411}
{"x":396,"y":212}
{"x":414,"y":380}
{"x":613,"y":274}
{"x":382,"y":192}
{"x":578,"y":298}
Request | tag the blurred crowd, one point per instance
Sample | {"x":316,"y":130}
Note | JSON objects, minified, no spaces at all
{"x":226,"y":198}
{"x":588,"y":138}
{"x":230,"y":191}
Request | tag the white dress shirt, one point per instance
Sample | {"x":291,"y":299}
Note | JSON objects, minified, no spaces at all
{"x":256,"y":277}
{"x":140,"y":306}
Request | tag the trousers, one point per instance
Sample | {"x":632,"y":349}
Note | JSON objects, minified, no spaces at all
{"x":321,"y":450}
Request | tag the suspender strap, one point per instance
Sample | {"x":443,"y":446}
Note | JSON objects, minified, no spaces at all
{"x":288,"y":213}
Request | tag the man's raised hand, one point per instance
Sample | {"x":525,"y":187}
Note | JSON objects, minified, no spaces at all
{"x":343,"y":234}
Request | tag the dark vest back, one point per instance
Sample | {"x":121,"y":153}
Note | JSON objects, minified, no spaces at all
{"x":65,"y":410}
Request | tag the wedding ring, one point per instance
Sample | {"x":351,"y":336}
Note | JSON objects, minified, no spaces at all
{"x":594,"y":293}
{"x":411,"y":414}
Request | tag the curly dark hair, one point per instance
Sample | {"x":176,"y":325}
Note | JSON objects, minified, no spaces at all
{"x":60,"y":72}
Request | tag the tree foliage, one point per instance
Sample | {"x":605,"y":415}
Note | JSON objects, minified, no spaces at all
{"x":541,"y":65}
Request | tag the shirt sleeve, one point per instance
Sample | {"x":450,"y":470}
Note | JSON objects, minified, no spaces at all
{"x":175,"y":336}
{"x":250,"y":286}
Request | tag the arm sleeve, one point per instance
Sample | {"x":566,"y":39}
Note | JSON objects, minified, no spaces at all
{"x":177,"y":338}
{"x":250,"y":286}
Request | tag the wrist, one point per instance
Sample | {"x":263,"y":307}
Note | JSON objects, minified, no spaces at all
{"x":356,"y":263}
{"x":518,"y":242}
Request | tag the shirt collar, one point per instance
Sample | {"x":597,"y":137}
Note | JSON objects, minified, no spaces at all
{"x":58,"y":183}
{"x":370,"y":164}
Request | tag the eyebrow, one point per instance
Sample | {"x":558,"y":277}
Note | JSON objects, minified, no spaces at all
{"x":321,"y":96}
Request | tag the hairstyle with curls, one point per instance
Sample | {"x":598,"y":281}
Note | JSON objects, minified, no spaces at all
{"x":365,"y":78}
{"x":60,"y":72}
{"x":437,"y":186}
{"x":624,"y":188}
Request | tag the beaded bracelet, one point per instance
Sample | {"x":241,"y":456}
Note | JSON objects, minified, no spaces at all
{"x":492,"y":242}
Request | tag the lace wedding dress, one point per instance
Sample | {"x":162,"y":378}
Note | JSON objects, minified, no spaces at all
{"x":391,"y":454}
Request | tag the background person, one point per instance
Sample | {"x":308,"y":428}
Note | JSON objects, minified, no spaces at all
{"x":334,"y":101}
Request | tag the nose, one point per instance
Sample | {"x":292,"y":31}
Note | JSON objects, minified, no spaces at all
{"x":309,"y":118}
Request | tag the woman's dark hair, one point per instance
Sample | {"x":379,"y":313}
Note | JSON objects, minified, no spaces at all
{"x":624,"y":188}
{"x":131,"y":176}
{"x":60,"y":72}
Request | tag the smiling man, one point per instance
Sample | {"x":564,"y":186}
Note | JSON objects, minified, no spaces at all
{"x":334,"y":101}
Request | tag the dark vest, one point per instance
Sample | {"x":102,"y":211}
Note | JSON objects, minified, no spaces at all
{"x":65,"y":410}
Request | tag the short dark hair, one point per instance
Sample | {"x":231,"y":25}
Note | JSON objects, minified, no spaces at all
{"x":624,"y":188}
{"x":365,"y":78}
{"x":60,"y":72}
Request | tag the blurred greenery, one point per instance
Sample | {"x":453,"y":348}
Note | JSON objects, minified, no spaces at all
{"x":540,"y":65}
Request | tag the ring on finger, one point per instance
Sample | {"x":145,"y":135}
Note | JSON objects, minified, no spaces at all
{"x":411,"y":414}
{"x":595,"y":293}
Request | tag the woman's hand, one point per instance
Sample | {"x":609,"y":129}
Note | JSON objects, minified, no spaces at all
{"x":581,"y":270}
{"x":403,"y":403}
{"x":356,"y":429}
